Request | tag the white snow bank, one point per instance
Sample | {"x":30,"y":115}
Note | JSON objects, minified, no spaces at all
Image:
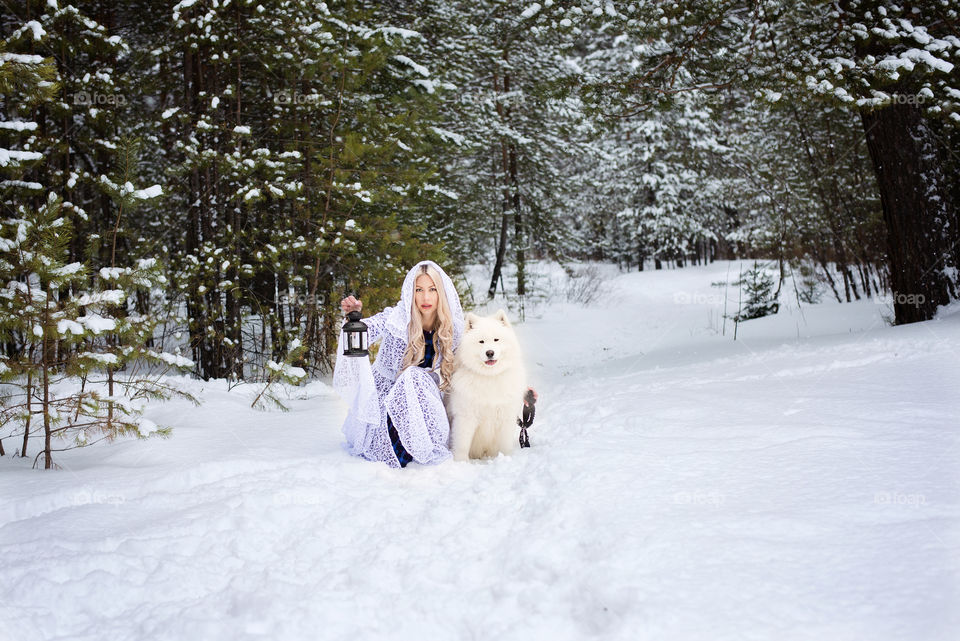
{"x":799,"y":483}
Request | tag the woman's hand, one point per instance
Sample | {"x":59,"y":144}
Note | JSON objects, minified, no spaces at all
{"x":350,"y":304}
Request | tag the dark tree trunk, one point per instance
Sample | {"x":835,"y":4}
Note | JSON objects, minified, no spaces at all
{"x":826,"y":272}
{"x":511,"y":195}
{"x":27,"y":421}
{"x":916,"y":209}
{"x":501,"y":253}
{"x":46,"y":362}
{"x":518,"y":224}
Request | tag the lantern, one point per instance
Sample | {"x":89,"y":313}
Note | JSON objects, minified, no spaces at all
{"x":355,"y":336}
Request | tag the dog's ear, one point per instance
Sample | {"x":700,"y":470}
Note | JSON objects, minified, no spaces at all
{"x":501,"y":317}
{"x":471,"y":319}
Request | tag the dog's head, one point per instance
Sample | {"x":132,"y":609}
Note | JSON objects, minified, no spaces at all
{"x":489,"y":344}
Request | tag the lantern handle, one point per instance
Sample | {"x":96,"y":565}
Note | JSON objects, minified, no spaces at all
{"x":350,"y":303}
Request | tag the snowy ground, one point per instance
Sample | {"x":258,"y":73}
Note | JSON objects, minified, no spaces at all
{"x":800,"y":482}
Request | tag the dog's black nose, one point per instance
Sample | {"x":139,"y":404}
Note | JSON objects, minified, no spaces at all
{"x":489,"y":353}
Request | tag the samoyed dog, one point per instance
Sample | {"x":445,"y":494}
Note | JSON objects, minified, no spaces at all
{"x":486,"y":389}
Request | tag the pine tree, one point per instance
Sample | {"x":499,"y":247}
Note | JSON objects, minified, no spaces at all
{"x":760,"y":298}
{"x":61,"y":325}
{"x":299,"y":181}
{"x":516,"y":136}
{"x":888,"y":64}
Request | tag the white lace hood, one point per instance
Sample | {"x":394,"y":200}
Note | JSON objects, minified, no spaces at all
{"x":398,"y":318}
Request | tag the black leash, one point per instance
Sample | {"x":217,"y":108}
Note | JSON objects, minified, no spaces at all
{"x":529,"y":412}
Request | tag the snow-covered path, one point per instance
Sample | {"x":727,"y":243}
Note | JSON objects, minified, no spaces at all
{"x":799,"y":483}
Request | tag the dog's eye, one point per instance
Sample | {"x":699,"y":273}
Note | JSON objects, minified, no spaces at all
{"x":481,"y":342}
{"x":495,"y":340}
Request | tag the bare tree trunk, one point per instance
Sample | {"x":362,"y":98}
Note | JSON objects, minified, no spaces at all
{"x":501,"y":253}
{"x":26,"y":423}
{"x":233,"y":358}
{"x":826,"y":272}
{"x":312,"y":317}
{"x":511,"y":196}
{"x":45,"y":345}
{"x":518,"y":234}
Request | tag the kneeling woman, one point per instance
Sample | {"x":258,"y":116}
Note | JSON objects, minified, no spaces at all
{"x":396,"y":410}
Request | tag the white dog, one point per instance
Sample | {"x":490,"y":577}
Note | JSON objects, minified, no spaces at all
{"x":486,"y":389}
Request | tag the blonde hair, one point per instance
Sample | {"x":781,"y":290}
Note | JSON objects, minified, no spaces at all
{"x":442,"y":333}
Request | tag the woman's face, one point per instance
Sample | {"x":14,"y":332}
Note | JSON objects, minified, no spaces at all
{"x":426,"y":298}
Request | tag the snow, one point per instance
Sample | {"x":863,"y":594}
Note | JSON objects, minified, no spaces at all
{"x":172,"y":359}
{"x":452,"y":136}
{"x":397,"y":31}
{"x":35,"y":27}
{"x":111,"y":273}
{"x":71,"y":268}
{"x":428,"y":85}
{"x":109,"y":359}
{"x":107,"y":296}
{"x":96,"y":323}
{"x":797,"y":483}
{"x":8,"y":184}
{"x":20,"y":58}
{"x":288,"y":370}
{"x":18,"y":125}
{"x":420,"y":69}
{"x":910,"y":57}
{"x":530,"y":11}
{"x":66,"y":326}
{"x":6,"y":155}
{"x":150,"y":192}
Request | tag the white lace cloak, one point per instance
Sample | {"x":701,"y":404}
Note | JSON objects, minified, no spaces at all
{"x":413,"y":398}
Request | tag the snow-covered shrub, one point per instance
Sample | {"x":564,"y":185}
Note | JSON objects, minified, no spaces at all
{"x":285,"y":373}
{"x":759,"y":293}
{"x":65,"y":339}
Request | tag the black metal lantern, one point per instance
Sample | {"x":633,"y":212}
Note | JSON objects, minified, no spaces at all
{"x":355,"y":336}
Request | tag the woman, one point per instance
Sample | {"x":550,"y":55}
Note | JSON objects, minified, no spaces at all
{"x":396,"y":411}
